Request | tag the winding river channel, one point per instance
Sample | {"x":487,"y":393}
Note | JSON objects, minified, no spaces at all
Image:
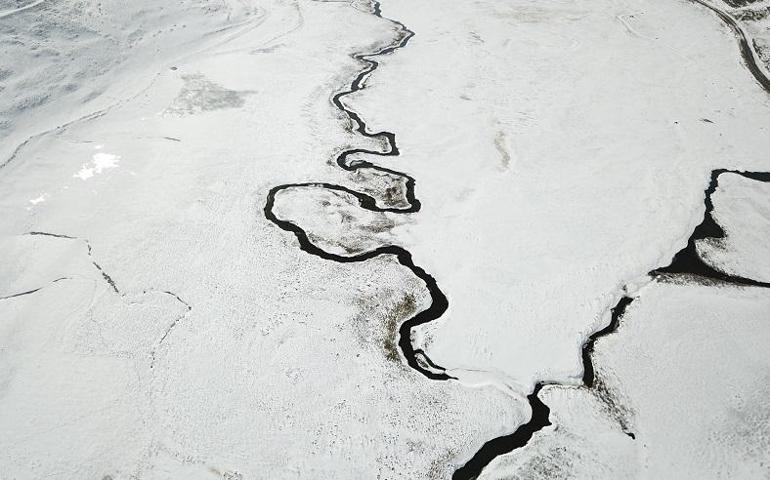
{"x":415,"y":358}
{"x":686,"y":262}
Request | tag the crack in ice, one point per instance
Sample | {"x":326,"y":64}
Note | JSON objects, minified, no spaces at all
{"x":113,"y":286}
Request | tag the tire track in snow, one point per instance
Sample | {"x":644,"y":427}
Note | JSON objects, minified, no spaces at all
{"x":747,"y":50}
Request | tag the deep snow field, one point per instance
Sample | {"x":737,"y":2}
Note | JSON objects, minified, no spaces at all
{"x":415,"y":239}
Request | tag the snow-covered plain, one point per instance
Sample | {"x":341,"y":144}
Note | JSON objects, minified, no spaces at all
{"x":176,"y":333}
{"x":155,"y":324}
{"x":687,"y":372}
{"x":595,"y":186}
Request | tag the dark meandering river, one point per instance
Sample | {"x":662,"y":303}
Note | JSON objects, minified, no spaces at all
{"x":685,"y":262}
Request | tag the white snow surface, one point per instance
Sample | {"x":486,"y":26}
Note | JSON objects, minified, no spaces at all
{"x":100,"y":162}
{"x":156,"y":325}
